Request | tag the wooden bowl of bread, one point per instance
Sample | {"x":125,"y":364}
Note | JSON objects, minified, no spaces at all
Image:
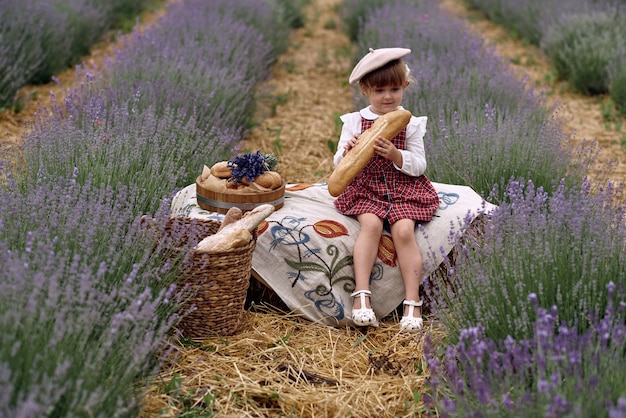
{"x":218,"y":190}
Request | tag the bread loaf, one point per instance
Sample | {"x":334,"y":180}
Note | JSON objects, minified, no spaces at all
{"x":387,"y":126}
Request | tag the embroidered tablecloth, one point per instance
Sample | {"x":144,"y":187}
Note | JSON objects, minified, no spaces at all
{"x":304,"y":249}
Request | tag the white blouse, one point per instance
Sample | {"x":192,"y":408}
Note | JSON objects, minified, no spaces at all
{"x":413,"y":157}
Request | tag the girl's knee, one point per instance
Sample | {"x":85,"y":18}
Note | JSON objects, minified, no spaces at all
{"x":403,"y":236}
{"x":371,"y":224}
{"x":403,"y":231}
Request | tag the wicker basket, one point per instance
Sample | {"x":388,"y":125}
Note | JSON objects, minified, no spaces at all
{"x":218,"y":283}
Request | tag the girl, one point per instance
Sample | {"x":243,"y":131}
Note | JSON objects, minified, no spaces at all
{"x":392,"y":189}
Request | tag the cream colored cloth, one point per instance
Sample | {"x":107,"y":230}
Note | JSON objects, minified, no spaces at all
{"x":304,"y":249}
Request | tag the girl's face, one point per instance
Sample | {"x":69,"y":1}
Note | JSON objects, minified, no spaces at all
{"x":384,"y":99}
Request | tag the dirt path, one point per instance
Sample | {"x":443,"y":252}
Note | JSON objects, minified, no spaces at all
{"x":582,"y":116}
{"x":299,"y":105}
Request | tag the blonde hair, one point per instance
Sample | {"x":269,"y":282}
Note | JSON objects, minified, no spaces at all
{"x":394,"y":73}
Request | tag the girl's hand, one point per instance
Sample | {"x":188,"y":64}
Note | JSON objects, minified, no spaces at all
{"x":386,"y":149}
{"x":351,"y":143}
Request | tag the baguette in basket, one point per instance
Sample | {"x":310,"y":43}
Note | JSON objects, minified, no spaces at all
{"x":387,"y":126}
{"x":236,"y":230}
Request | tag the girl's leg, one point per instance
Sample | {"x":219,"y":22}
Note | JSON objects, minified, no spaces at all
{"x":365,"y":251}
{"x":409,"y":259}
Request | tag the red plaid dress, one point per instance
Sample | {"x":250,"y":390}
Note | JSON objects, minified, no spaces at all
{"x":386,"y":192}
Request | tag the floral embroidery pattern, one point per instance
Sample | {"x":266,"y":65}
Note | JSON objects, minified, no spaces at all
{"x":447,"y":199}
{"x":310,"y":258}
{"x":330,"y":229}
{"x":387,"y":251}
{"x":262,"y":227}
{"x":297,"y":187}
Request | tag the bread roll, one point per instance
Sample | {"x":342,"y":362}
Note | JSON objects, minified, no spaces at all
{"x":387,"y":126}
{"x":270,"y":180}
{"x":230,"y":184}
{"x":221,"y":170}
{"x":235,"y":185}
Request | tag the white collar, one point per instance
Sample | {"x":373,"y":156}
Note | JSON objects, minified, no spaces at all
{"x":367,"y":113}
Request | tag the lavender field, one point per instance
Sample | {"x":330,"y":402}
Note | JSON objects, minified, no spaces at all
{"x":586,"y":43}
{"x":88,"y":294}
{"x":533,"y":307}
{"x":41,"y":38}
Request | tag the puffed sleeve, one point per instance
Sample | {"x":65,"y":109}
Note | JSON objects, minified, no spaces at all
{"x":351,"y":125}
{"x":414,"y":156}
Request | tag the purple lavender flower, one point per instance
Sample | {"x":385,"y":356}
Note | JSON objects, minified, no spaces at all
{"x":535,"y":377}
{"x":563,"y":248}
{"x":249,"y":166}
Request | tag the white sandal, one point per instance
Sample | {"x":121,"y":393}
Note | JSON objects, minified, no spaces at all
{"x":409,"y":322}
{"x":363,"y":316}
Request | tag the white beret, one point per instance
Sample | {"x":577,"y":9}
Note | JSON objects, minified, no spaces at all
{"x":375,"y":59}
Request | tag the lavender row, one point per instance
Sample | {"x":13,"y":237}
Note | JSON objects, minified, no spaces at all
{"x":85,"y":301}
{"x":565,"y":247}
{"x":88,"y":290}
{"x":558,"y":372}
{"x":554,"y":235}
{"x":176,"y":98}
{"x":586,"y":41}
{"x":565,"y":252}
{"x":40,"y":38}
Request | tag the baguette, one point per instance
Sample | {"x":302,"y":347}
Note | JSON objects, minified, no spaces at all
{"x":387,"y":126}
{"x":236,"y":233}
{"x":232,"y":216}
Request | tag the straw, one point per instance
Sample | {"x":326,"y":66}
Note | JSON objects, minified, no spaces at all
{"x":282,"y":365}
